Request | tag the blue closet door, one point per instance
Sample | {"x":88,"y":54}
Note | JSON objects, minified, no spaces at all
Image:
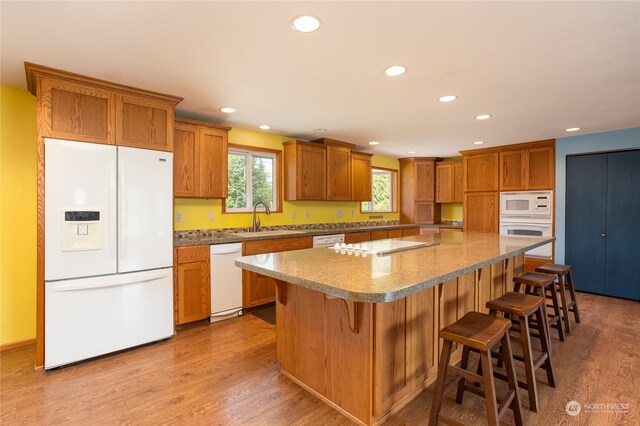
{"x":623,"y":225}
{"x":586,"y":218}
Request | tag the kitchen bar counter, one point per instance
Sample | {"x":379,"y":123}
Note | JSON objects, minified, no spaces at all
{"x":361,"y":333}
{"x":374,"y":278}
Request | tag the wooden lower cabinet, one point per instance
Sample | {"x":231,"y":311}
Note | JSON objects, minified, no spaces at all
{"x":410,"y":232}
{"x":379,"y":235}
{"x":258,"y":289}
{"x":368,"y":360}
{"x":192,"y":284}
{"x":481,"y":211}
{"x":357,"y":237}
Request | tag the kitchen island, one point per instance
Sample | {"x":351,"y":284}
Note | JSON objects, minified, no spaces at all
{"x":360,"y":330}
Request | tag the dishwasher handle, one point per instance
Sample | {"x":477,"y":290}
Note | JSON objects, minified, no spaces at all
{"x":226,"y":248}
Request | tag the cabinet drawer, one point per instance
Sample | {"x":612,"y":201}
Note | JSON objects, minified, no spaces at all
{"x":379,"y":235}
{"x":357,"y":237}
{"x":395,"y":233}
{"x":192,"y":254}
{"x":276,"y":245}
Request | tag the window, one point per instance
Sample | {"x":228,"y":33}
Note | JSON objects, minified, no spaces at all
{"x":383,"y":190}
{"x":252,"y":177}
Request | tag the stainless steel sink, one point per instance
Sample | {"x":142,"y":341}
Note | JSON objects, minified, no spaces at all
{"x":275,"y":233}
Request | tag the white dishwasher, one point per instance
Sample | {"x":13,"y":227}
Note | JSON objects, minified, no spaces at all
{"x":226,"y":281}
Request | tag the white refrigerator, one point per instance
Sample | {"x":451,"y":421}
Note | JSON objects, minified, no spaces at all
{"x":108,"y":249}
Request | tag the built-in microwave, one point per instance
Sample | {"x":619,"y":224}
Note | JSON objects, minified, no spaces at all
{"x":526,"y":205}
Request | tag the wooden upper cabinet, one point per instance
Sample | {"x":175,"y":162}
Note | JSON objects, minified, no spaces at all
{"x":425,"y":180}
{"x":361,"y":176}
{"x":417,"y":190}
{"x":76,"y":111}
{"x":213,"y":156}
{"x":200,"y":159}
{"x":541,"y":167}
{"x":304,"y":171}
{"x":338,"y":172}
{"x":512,"y":170}
{"x":528,"y":168}
{"x":449,"y":181}
{"x":481,"y":172}
{"x":458,"y":183}
{"x":185,"y":163}
{"x":143,"y":122}
{"x":77,"y":107}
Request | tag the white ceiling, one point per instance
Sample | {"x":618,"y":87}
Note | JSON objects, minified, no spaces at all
{"x":536,"y":67}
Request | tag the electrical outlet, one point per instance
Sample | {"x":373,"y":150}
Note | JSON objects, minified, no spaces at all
{"x":338,"y":213}
{"x":306,"y":214}
{"x":178,"y":217}
{"x":211,"y":216}
{"x":293,"y":214}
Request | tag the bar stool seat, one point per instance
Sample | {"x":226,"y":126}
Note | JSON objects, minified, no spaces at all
{"x":543,"y":283}
{"x":480,"y":332}
{"x":523,"y":306}
{"x":564,"y":281}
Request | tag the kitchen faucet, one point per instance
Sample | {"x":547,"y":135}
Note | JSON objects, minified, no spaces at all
{"x":256,"y":220}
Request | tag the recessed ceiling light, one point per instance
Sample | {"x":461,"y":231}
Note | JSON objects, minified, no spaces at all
{"x":478,"y":142}
{"x":228,"y":110}
{"x":264,"y":126}
{"x":411,"y":152}
{"x":305,"y":23}
{"x":447,"y":98}
{"x":319,"y":130}
{"x":395,"y":70}
{"x":483,"y":117}
{"x":572,"y":129}
{"x":374,"y":143}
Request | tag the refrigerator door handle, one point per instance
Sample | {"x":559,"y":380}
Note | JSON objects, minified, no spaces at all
{"x":113,"y":193}
{"x":91,"y":284}
{"x":122,"y":207}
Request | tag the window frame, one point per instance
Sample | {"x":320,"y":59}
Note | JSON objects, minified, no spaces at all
{"x":277,"y":179}
{"x":394,"y":192}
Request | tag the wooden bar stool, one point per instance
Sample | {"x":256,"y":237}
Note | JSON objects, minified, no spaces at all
{"x":523,"y":306}
{"x":562,"y":271}
{"x":482,"y":333}
{"x":543,"y":283}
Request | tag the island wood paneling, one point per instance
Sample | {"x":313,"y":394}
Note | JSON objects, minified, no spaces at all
{"x":370,"y":374}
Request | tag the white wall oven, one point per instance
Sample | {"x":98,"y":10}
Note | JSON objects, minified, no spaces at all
{"x":528,"y":213}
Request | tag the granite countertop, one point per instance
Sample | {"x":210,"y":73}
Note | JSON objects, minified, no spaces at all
{"x":207,"y":237}
{"x":453,"y":225}
{"x":384,"y":278}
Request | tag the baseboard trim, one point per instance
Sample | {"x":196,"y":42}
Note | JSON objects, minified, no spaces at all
{"x":18,"y":344}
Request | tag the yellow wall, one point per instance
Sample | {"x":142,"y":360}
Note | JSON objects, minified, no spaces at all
{"x":17,"y":215}
{"x":195,"y":212}
{"x":451,"y":211}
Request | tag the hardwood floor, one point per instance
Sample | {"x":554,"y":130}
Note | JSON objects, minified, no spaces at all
{"x":226,"y":374}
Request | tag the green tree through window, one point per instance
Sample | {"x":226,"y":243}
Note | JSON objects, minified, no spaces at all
{"x":382,"y":190}
{"x":255,"y":170}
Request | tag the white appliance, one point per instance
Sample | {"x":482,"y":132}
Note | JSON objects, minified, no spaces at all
{"x":108,"y":249}
{"x":327,"y":240}
{"x":526,"y":206}
{"x":528,"y":213}
{"x":226,"y":281}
